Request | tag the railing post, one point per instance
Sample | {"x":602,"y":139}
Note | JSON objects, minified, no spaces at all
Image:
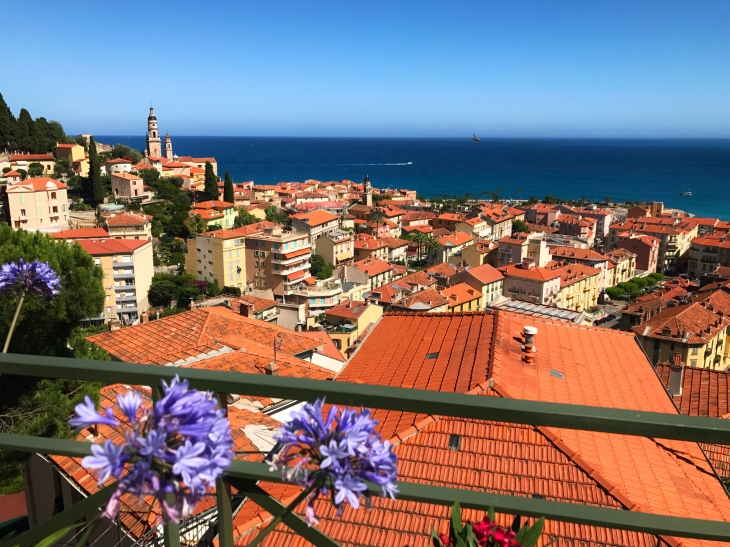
{"x":171,"y":530}
{"x":225,"y":514}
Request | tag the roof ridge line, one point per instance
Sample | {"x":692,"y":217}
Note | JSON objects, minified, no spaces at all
{"x":612,"y":489}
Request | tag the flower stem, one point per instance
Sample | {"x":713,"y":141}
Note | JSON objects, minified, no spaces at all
{"x":15,"y":320}
{"x":265,"y":532}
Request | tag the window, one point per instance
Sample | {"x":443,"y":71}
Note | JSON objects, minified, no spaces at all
{"x":55,"y":209}
{"x":263,"y":253}
{"x":53,"y":195}
{"x":22,"y":212}
{"x":107,"y":297}
{"x":693,"y":363}
{"x":321,"y":300}
{"x":230,"y":254}
{"x":256,"y":253}
{"x":454,"y":442}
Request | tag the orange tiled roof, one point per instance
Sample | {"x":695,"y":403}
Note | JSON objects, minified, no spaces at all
{"x":460,"y":353}
{"x":578,"y":254}
{"x":126,"y":219}
{"x":441,"y":270}
{"x":372,"y":266}
{"x":574,"y":273}
{"x":486,"y":274}
{"x":539,"y":274}
{"x":81,"y":233}
{"x":316,"y":217}
{"x":259,"y":304}
{"x":243,"y":231}
{"x":426,"y":299}
{"x":195,"y":333}
{"x":690,"y":324}
{"x":38,"y":184}
{"x":418,"y":278}
{"x":349,"y":309}
{"x":32,"y":157}
{"x":461,"y":293}
{"x":100,"y":247}
{"x":455,"y":239}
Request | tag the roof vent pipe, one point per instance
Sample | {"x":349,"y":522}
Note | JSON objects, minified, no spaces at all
{"x":528,"y":348}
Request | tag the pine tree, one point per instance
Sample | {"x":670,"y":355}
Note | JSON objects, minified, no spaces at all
{"x":8,"y":127}
{"x":228,"y":189}
{"x":94,"y":182}
{"x":211,"y":183}
{"x":25,"y":131}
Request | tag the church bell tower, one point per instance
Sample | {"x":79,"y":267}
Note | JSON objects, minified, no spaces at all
{"x":367,"y":195}
{"x":168,"y":147}
{"x":154,"y":148}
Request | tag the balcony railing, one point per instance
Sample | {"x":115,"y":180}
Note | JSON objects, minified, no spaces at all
{"x":243,"y":474}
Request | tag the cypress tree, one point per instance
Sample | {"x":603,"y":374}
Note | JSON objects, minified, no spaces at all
{"x":228,"y":189}
{"x":25,"y":131}
{"x":211,"y":183}
{"x":94,"y":181}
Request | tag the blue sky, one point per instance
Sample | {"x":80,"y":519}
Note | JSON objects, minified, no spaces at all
{"x":422,"y":69}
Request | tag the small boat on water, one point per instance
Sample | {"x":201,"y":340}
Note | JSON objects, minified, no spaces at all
{"x":474,"y":137}
{"x":685,"y":193}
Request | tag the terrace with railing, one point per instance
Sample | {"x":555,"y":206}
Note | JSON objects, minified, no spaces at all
{"x":243,"y":475}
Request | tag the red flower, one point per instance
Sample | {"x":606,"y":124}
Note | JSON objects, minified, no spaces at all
{"x":445,"y":540}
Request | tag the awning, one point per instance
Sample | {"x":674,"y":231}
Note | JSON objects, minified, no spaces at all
{"x":343,"y":256}
{"x":295,"y":275}
{"x":298,"y":252}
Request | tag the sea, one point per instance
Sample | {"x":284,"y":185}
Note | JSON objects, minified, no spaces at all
{"x":622,"y":169}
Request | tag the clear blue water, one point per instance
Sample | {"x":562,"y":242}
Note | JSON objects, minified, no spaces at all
{"x":639,"y":170}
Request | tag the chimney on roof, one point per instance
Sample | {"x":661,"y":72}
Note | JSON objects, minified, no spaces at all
{"x":144,"y":317}
{"x":114,"y":324}
{"x":271,"y":369}
{"x":528,"y":348}
{"x":246,"y":308}
{"x":675,"y":381}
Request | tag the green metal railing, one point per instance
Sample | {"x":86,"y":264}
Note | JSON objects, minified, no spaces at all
{"x":244,"y":475}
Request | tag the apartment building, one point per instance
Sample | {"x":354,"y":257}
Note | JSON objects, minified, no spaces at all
{"x":499,"y":218}
{"x":691,"y":334}
{"x":448,"y":221}
{"x":128,"y":187}
{"x":128,"y":269}
{"x":578,"y":226}
{"x":482,"y":252}
{"x":531,"y":283}
{"x":520,"y":247}
{"x":76,"y":157}
{"x":587,"y":257}
{"x":315,"y":224}
{"x":622,"y":266}
{"x":336,"y":247}
{"x":706,"y":254}
{"x":23,"y":161}
{"x":378,"y":271}
{"x":217,"y":212}
{"x":277,"y":260}
{"x":128,"y":226}
{"x":451,"y":245}
{"x":369,"y":247}
{"x":644,"y":247}
{"x":397,"y":249}
{"x":543,"y":214}
{"x":487,"y":280}
{"x":462,"y":297}
{"x":221,"y":255}
{"x":38,"y":204}
{"x":417,"y":218}
{"x":579,"y":287}
{"x":476,"y":227}
{"x":603,"y":218}
{"x":674,"y":237}
{"x":349,"y":321}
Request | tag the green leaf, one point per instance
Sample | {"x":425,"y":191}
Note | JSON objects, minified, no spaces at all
{"x":55,"y":536}
{"x":435,"y":539}
{"x":471,"y":538}
{"x":532,"y":535}
{"x":456,"y":526}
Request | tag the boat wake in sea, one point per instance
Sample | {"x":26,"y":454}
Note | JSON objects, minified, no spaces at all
{"x":404,"y":163}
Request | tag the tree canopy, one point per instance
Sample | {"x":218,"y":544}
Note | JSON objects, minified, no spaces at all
{"x":273,"y":214}
{"x":124,"y":151}
{"x":25,"y":134}
{"x":228,"y":189}
{"x":95,"y":184}
{"x":244,"y":218}
{"x":211,"y":183}
{"x":35,"y":406}
{"x":520,"y":226}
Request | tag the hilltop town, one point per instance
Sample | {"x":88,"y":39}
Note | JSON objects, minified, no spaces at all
{"x":349,"y":281}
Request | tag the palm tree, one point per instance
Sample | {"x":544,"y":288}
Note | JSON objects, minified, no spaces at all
{"x":379,"y":220}
{"x":432,"y":244}
{"x":420,"y":239}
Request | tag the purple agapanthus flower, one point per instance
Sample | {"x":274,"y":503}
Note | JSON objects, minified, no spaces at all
{"x":180,"y":446}
{"x":36,"y":276}
{"x":334,"y":455}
